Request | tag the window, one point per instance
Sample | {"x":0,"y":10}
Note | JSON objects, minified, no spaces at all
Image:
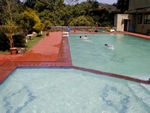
{"x":139,"y":19}
{"x":147,"y":19}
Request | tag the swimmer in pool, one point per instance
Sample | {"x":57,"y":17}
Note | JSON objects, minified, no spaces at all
{"x":149,"y":79}
{"x":84,"y":37}
{"x":109,"y":46}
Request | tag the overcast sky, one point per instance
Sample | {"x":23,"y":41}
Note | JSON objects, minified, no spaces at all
{"x":105,"y":1}
{"x":101,"y":1}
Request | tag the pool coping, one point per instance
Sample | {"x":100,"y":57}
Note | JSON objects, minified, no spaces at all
{"x":64,"y":60}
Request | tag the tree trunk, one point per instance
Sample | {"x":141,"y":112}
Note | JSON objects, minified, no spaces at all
{"x":11,"y":41}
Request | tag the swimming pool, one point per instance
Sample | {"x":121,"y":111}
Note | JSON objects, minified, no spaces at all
{"x":130,"y":57}
{"x":65,"y":90}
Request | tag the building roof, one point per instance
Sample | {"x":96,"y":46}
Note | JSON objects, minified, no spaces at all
{"x":139,"y":6}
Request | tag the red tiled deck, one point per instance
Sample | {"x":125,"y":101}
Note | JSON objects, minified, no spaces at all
{"x":46,"y":50}
{"x":51,"y":51}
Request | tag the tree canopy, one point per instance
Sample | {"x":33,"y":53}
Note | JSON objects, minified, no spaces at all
{"x":37,"y":15}
{"x":123,"y":5}
{"x":30,"y":21}
{"x":57,"y":12}
{"x":82,"y":21}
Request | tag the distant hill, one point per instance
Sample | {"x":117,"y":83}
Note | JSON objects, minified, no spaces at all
{"x":107,"y":7}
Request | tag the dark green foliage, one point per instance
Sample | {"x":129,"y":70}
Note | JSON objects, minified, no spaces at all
{"x":47,"y":25}
{"x":19,"y":40}
{"x":30,"y":3}
{"x":65,"y":15}
{"x":4,"y":42}
{"x":102,"y":17}
{"x":10,"y":10}
{"x":82,"y":21}
{"x":41,"y":5}
{"x":60,"y":14}
{"x":37,"y":15}
{"x":123,"y":5}
{"x":29,"y":21}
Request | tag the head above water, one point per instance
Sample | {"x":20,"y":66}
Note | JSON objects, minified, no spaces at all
{"x":106,"y":44}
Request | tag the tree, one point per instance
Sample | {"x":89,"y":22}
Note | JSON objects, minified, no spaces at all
{"x":29,"y":3}
{"x":59,"y":17}
{"x":9,"y":30}
{"x":47,"y":24}
{"x":30,"y":21}
{"x":82,"y":21}
{"x":41,"y":5}
{"x":93,"y":3}
{"x":4,"y":42}
{"x":9,"y":10}
{"x":123,"y":5}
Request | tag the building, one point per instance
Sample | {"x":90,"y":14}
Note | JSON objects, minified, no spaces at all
{"x":136,"y":19}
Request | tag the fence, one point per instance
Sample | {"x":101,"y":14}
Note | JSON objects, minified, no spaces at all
{"x":80,"y":28}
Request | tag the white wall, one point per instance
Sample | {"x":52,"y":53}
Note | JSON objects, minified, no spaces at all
{"x":120,"y":21}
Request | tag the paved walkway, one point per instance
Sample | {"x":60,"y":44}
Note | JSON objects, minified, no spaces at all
{"x":49,"y":52}
{"x":46,"y":50}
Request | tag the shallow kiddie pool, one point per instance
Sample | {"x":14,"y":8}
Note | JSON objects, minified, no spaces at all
{"x":130,"y":56}
{"x":65,"y":90}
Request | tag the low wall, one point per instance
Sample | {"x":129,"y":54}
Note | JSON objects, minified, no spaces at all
{"x":62,"y":28}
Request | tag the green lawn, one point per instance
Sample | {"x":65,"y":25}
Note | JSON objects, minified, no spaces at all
{"x":30,"y":43}
{"x":7,"y":51}
{"x":34,"y":41}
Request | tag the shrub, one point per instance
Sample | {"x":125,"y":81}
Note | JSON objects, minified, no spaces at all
{"x":30,"y":21}
{"x":9,"y":30}
{"x":82,"y":21}
{"x":47,"y":24}
{"x":4,"y":42}
{"x":19,"y":40}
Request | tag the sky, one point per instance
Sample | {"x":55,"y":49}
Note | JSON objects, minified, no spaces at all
{"x":101,"y":1}
{"x":104,"y":1}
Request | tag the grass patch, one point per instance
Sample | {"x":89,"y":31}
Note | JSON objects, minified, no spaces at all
{"x":7,"y":51}
{"x":34,"y":41}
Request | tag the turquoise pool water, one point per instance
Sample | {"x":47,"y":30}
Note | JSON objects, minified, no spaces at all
{"x":45,"y":90}
{"x":131,"y":55}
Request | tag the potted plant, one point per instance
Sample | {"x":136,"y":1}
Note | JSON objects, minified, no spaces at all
{"x":10,"y":29}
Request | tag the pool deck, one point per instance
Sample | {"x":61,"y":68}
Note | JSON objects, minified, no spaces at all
{"x":53,"y":51}
{"x":138,"y":35}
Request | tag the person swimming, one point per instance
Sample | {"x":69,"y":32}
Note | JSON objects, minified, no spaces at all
{"x":109,"y":46}
{"x":149,"y":79}
{"x":84,"y":37}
